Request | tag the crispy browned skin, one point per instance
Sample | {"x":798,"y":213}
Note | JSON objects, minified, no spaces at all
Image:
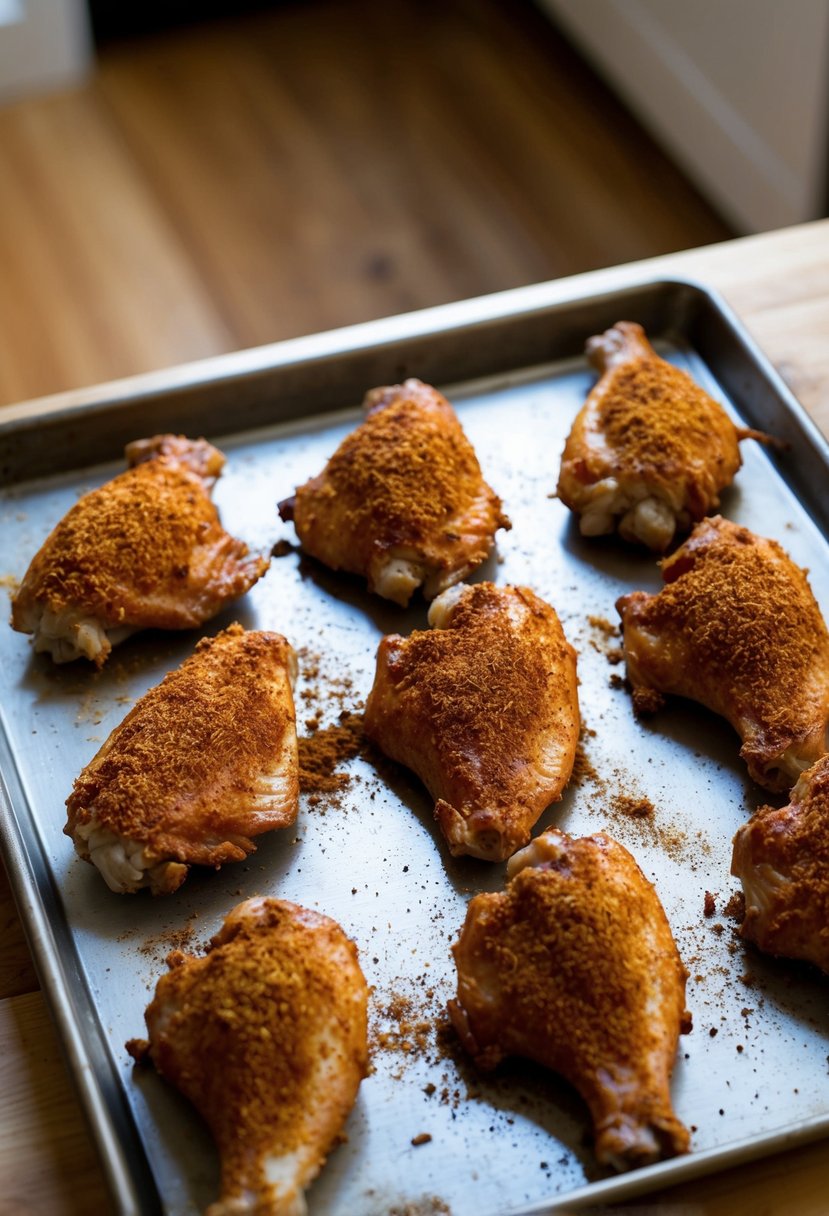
{"x":402,"y":501}
{"x":266,"y":1036}
{"x":484,"y":709}
{"x":650,"y":450}
{"x":574,"y":966}
{"x":145,"y":550}
{"x":203,"y":762}
{"x":736,"y":627}
{"x":781,"y":856}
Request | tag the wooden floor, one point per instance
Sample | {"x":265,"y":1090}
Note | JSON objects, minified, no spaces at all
{"x":321,"y":163}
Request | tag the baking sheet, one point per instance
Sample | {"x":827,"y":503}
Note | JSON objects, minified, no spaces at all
{"x":752,"y":1075}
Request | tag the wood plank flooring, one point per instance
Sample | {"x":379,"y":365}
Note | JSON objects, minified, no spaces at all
{"x":319,"y":163}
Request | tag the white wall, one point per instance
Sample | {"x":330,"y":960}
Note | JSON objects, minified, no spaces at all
{"x":44,"y":44}
{"x":736,"y":90}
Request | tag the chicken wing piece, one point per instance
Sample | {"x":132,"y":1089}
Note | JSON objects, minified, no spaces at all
{"x":144,"y":551}
{"x":484,"y":708}
{"x":782,"y":859}
{"x":574,"y":966}
{"x":204,"y":761}
{"x":650,"y":450}
{"x":736,"y":627}
{"x":402,"y":501}
{"x":266,"y":1035}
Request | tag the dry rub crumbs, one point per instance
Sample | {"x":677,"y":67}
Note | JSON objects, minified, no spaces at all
{"x":710,"y":906}
{"x":402,"y":1025}
{"x":604,"y":626}
{"x":323,"y":689}
{"x":323,"y":750}
{"x":583,"y":769}
{"x":409,"y":1023}
{"x":160,"y":944}
{"x":430,"y":1205}
{"x":607,"y":631}
{"x":735,"y":909}
{"x":635,"y":807}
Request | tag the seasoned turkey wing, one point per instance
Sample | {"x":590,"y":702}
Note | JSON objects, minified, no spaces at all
{"x":781,"y":857}
{"x":402,"y":501}
{"x":266,"y":1035}
{"x":574,"y":966}
{"x":650,"y":451}
{"x":144,"y":551}
{"x":737,"y":628}
{"x":203,"y":762}
{"x":483,"y":707}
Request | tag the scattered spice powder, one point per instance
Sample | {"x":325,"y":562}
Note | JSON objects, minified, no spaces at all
{"x":635,"y":807}
{"x":159,"y":945}
{"x":607,"y":631}
{"x":735,"y":909}
{"x":324,"y":749}
{"x":583,"y":769}
{"x":402,"y":1025}
{"x":430,"y":1205}
{"x":604,"y":626}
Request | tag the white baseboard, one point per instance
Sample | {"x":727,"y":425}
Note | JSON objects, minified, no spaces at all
{"x":735,"y":90}
{"x":44,"y":44}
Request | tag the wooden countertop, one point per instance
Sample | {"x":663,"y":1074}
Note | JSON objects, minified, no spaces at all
{"x":778,"y":284}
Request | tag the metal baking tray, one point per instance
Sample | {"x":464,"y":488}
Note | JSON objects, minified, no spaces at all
{"x":750,"y":1079}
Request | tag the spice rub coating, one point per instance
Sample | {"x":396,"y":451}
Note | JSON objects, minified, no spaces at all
{"x":203,"y":762}
{"x":574,"y":966}
{"x":484,"y":709}
{"x":650,"y":450}
{"x":144,"y":551}
{"x":781,"y":857}
{"x":737,"y":628}
{"x":402,"y":501}
{"x":267,"y":1036}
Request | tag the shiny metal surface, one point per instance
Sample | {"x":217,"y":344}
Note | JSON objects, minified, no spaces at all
{"x":751,"y":1076}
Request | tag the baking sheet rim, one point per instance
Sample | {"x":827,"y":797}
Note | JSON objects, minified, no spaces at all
{"x":329,"y":345}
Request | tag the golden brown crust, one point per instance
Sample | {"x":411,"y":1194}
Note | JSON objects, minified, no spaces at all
{"x":574,"y":965}
{"x":736,"y":627}
{"x":485,"y":711}
{"x":650,"y":428}
{"x":248,"y":1032}
{"x":782,"y":858}
{"x":197,"y":454}
{"x":145,"y":550}
{"x":406,"y":483}
{"x":183,"y":773}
